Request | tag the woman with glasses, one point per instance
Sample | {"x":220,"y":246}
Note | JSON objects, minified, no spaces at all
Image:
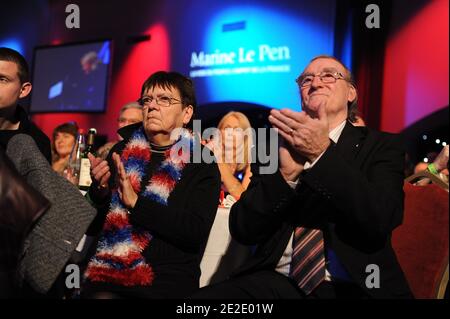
{"x":156,"y":205}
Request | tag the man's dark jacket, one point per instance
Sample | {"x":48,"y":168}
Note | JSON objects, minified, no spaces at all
{"x":354,"y":193}
{"x":29,"y":128}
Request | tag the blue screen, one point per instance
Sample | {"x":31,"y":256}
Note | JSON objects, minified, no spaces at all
{"x":252,"y":52}
{"x":71,"y":78}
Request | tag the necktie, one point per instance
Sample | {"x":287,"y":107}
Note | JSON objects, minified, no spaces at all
{"x":308,"y":259}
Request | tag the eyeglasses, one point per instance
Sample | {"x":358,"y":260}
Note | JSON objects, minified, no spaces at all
{"x":164,"y":101}
{"x":305,"y":80}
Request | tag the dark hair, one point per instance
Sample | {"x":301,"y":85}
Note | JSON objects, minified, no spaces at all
{"x":69,"y":127}
{"x":168,"y":80}
{"x":352,"y":106}
{"x":7,"y":54}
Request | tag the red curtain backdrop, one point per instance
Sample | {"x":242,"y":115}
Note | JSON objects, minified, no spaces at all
{"x":416,"y":78}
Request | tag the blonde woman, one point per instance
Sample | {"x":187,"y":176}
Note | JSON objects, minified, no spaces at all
{"x":233,"y":153}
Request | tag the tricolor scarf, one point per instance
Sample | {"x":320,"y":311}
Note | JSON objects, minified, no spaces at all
{"x":119,"y":258}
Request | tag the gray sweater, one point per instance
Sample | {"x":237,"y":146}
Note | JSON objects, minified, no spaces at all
{"x":55,"y":236}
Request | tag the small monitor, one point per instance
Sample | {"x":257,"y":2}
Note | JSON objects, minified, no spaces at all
{"x":71,"y":77}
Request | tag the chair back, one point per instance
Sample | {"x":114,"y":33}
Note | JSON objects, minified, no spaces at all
{"x":421,"y":242}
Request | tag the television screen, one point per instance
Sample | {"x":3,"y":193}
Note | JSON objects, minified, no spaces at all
{"x":71,"y":78}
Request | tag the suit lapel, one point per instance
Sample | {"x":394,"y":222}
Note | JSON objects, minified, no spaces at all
{"x":351,"y":141}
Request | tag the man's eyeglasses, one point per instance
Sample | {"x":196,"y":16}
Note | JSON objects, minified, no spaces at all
{"x":305,"y":80}
{"x":164,"y":101}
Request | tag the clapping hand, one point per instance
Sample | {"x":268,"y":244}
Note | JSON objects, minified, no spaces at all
{"x":100,"y":175}
{"x":308,"y":136}
{"x":126,"y":192}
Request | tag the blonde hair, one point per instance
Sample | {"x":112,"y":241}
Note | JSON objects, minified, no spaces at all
{"x":244,"y":124}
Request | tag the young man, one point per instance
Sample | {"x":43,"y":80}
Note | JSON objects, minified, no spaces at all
{"x":15,"y":85}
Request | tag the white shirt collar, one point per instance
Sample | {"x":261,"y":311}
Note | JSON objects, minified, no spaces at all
{"x":335,"y":133}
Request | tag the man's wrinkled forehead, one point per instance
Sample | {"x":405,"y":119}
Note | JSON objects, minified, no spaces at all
{"x":324,"y":64}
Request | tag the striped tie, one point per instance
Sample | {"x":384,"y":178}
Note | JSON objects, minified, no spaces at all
{"x":308,"y":259}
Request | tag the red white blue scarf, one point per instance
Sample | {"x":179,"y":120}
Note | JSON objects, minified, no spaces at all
{"x":119,"y":258}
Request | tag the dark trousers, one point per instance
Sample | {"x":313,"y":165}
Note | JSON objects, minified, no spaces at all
{"x":269,"y":284}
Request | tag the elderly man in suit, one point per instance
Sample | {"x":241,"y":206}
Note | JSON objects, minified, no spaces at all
{"x":323,"y":222}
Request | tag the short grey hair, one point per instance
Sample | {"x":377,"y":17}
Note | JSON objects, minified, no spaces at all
{"x":131,"y":105}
